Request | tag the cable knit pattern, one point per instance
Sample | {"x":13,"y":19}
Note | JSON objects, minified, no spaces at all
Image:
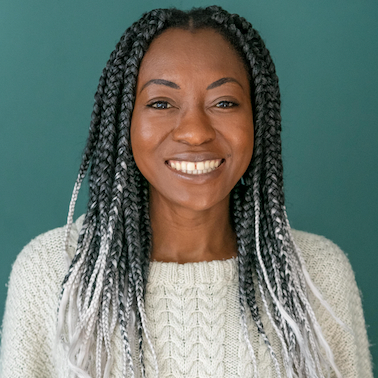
{"x":186,"y":306}
{"x":192,"y":311}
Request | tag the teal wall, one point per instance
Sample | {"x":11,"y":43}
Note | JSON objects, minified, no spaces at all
{"x":326,"y":52}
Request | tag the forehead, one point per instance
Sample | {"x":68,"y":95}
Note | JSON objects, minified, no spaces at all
{"x":178,"y":51}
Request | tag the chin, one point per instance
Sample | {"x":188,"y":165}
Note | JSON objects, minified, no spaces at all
{"x":202,"y":203}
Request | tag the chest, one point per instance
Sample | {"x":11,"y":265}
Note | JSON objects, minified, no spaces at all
{"x":196,"y":331}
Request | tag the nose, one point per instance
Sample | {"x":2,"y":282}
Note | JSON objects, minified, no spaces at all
{"x":194,"y":127}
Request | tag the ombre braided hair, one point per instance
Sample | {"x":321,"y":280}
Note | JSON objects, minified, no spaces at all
{"x":106,"y":280}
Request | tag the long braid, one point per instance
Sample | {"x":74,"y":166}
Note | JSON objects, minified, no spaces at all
{"x":268,"y":196}
{"x":269,"y":204}
{"x":105,"y":283}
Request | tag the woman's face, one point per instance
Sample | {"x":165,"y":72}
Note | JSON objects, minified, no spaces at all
{"x":192,"y":125}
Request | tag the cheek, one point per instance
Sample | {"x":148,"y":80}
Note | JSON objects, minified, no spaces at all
{"x":140,"y":133}
{"x":147,"y":130}
{"x":243,"y":142}
{"x":145,"y":139}
{"x":140,"y":137}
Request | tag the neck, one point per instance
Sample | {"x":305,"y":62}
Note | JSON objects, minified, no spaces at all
{"x":184,"y":235}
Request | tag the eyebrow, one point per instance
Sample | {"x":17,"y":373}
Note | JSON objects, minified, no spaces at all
{"x":173,"y":85}
{"x":168,"y":83}
{"x":222,"y":81}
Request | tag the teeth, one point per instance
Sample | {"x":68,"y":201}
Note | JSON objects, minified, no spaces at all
{"x":190,"y":167}
{"x":195,"y":168}
{"x":200,"y":166}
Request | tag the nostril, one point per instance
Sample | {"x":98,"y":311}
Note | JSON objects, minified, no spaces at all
{"x":194,"y":128}
{"x":194,"y":135}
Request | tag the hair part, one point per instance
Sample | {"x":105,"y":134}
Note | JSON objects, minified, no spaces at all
{"x":105,"y":283}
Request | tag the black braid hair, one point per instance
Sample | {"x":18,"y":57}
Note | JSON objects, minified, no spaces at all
{"x":106,"y":281}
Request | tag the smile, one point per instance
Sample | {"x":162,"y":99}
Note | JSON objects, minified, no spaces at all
{"x":195,"y":168}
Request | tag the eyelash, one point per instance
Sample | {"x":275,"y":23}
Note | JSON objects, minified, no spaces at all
{"x":161,"y":105}
{"x":230,"y":104}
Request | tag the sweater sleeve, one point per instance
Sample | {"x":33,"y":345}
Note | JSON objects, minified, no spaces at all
{"x":332,"y":273}
{"x":29,"y":323}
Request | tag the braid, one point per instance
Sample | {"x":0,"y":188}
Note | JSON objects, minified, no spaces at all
{"x":106,"y":280}
{"x":274,"y":268}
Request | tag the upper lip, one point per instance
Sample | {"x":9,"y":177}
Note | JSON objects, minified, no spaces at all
{"x":195,"y":156}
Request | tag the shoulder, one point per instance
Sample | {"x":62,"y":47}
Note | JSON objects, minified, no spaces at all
{"x":321,"y":255}
{"x":45,"y":249}
{"x":330,"y":271}
{"x":313,"y":245}
{"x":45,"y":255}
{"x":332,"y":274}
{"x":28,"y":330}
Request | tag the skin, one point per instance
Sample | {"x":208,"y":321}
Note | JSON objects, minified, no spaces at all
{"x":192,"y":104}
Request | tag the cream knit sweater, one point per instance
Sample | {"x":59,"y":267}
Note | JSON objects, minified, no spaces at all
{"x":192,"y":310}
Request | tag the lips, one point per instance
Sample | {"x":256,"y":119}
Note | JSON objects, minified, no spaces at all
{"x":195,"y":167}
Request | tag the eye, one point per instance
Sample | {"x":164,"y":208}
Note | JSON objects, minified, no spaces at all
{"x":160,"y":105}
{"x":226,"y":104}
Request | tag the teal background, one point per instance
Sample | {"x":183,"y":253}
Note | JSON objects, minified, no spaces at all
{"x":326,"y":53}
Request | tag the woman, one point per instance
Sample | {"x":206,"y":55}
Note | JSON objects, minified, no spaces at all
{"x":184,"y":264}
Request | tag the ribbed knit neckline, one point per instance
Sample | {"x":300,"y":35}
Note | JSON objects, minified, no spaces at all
{"x":204,"y":272}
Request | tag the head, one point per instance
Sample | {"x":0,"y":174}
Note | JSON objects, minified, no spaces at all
{"x":192,"y":108}
{"x":108,"y":274}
